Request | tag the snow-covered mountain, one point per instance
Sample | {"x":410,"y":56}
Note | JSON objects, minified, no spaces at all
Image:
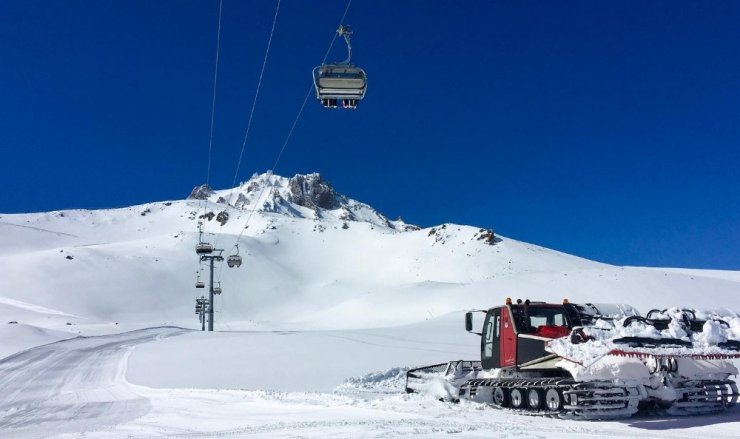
{"x":312,"y":258}
{"x":302,"y":196}
{"x":332,"y":297}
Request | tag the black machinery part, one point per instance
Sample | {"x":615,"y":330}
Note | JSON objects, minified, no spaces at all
{"x":568,"y":399}
{"x":560,"y":397}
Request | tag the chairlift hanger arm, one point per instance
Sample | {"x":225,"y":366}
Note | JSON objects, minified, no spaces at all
{"x":346,"y":32}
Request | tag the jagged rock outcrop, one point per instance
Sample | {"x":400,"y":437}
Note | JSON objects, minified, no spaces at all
{"x":301,"y":196}
{"x":401,"y":225}
{"x":487,"y":236}
{"x":313,"y":191}
{"x":207,"y":216}
{"x":222,"y":217}
{"x":201,"y":192}
{"x":241,"y":201}
{"x":347,"y":214}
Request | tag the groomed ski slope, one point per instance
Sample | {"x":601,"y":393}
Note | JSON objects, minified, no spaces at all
{"x":81,"y":385}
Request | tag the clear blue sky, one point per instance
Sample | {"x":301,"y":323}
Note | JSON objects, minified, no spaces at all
{"x":606,"y":129}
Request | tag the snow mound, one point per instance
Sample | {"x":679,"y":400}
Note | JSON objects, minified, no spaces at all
{"x":393,"y":382}
{"x":389,"y":381}
{"x":19,"y":337}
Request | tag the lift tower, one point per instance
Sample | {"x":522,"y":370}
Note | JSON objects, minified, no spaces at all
{"x":206,"y":252}
{"x":212,"y":256}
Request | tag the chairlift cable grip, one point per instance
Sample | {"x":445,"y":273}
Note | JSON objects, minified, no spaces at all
{"x":346,"y":32}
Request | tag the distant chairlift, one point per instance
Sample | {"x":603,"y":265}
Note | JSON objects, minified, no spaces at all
{"x":234,"y":260}
{"x":217,"y":289}
{"x":204,"y":248}
{"x":199,"y":283}
{"x":340,"y":81}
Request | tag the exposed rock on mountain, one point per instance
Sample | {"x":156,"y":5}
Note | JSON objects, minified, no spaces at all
{"x":201,"y":192}
{"x":313,"y":191}
{"x":301,"y":196}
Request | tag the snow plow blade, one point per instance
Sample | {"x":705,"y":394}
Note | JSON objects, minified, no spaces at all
{"x":418,"y":380}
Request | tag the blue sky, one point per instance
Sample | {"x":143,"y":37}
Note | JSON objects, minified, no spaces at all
{"x":608,"y":129}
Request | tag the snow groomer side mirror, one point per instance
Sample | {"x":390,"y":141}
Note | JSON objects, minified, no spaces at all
{"x":469,"y":321}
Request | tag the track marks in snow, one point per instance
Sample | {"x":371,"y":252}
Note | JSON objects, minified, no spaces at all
{"x":38,"y":229}
{"x":212,"y":414}
{"x":72,"y":385}
{"x":77,"y":388}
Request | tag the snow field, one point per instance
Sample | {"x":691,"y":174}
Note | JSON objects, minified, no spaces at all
{"x":80,"y":385}
{"x":316,"y":329}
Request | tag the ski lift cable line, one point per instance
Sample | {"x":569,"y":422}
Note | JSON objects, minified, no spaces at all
{"x":251,"y":113}
{"x":287,"y":138}
{"x":256,"y":94}
{"x":341,"y":21}
{"x":213,"y":100}
{"x":292,"y":128}
{"x":215,"y":86}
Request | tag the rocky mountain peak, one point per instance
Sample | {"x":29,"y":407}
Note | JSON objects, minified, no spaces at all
{"x":300,"y":196}
{"x":313,"y":191}
{"x":201,"y":192}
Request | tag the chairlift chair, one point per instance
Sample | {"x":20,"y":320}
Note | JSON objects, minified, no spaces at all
{"x":203,"y":248}
{"x":340,"y":81}
{"x":199,"y":283}
{"x":337,"y":83}
{"x":234,"y":260}
{"x":217,"y":289}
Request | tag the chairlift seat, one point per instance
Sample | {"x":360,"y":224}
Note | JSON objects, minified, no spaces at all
{"x":339,"y":82}
{"x":203,"y":248}
{"x":234,"y":261}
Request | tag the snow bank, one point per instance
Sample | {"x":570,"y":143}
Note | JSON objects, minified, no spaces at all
{"x":19,"y":337}
{"x":388,"y":381}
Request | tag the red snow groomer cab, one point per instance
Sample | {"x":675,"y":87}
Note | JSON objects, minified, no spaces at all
{"x":593,"y":361}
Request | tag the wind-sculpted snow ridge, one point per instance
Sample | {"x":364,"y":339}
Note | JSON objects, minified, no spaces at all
{"x":603,"y":337}
{"x":301,"y":196}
